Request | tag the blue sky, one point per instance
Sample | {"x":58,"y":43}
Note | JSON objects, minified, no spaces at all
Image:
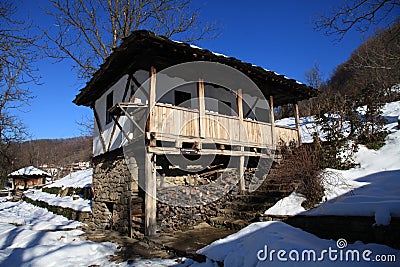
{"x":277,"y":35}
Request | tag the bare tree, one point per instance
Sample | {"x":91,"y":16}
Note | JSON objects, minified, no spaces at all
{"x":377,"y":61}
{"x":360,"y":15}
{"x":86,"y":126}
{"x":17,"y":54}
{"x":86,"y":31}
{"x":314,"y":77}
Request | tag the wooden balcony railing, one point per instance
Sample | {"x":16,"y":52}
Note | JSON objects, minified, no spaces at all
{"x":171,"y":122}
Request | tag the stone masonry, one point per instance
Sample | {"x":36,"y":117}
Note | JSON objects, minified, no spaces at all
{"x":114,"y":188}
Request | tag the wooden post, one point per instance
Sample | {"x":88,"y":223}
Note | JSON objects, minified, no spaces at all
{"x":297,"y":120}
{"x":240,"y":104}
{"x":272,"y":117}
{"x":242,"y":186}
{"x":202,"y":108}
{"x":152,"y":99}
{"x":150,"y":201}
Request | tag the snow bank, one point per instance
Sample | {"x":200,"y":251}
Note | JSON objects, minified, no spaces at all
{"x":248,"y":247}
{"x":77,"y":179}
{"x":32,"y":217}
{"x":42,"y":239}
{"x":65,"y":202}
{"x":290,"y":205}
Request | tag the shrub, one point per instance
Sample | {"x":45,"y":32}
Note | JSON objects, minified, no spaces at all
{"x":303,"y":164}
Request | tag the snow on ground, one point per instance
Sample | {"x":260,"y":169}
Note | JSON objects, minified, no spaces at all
{"x":290,"y":205}
{"x":43,"y":239}
{"x":77,"y":179}
{"x":368,"y":190}
{"x":258,"y":245}
{"x":79,"y":204}
{"x":32,"y":236}
{"x":22,"y":213}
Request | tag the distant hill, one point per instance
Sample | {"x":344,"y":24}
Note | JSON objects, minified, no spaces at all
{"x":53,"y":151}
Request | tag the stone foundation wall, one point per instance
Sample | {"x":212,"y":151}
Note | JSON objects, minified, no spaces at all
{"x":114,"y":187}
{"x":171,"y":218}
{"x":84,"y":217}
{"x":175,"y":217}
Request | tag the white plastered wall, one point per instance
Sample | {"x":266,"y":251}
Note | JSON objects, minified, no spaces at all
{"x":118,"y":89}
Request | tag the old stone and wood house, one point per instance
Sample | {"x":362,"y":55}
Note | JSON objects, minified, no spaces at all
{"x":145,"y":120}
{"x":27,"y":177}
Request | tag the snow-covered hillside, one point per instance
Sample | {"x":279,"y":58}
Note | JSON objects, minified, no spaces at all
{"x":77,"y":179}
{"x":372,"y":189}
{"x":368,"y":190}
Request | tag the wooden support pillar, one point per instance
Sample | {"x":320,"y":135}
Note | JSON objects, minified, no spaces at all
{"x":150,"y":201}
{"x":242,"y":186}
{"x":297,"y":120}
{"x":150,"y":183}
{"x":272,"y":117}
{"x":152,"y":99}
{"x":202,"y":108}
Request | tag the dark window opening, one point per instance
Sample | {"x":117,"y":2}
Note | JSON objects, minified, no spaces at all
{"x":262,"y":114}
{"x":109,"y":104}
{"x":182,"y":99}
{"x":225,"y":108}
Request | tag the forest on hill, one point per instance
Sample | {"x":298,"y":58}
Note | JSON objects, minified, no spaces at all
{"x":58,"y":152}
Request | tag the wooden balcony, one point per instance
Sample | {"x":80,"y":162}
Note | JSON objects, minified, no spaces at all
{"x":177,"y":124}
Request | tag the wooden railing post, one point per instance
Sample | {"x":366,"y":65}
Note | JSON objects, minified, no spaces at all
{"x":202,"y":108}
{"x":297,"y":120}
{"x":272,"y":117}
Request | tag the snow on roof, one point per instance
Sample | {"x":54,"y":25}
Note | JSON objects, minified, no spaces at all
{"x":223,"y":55}
{"x":29,"y":171}
{"x":77,"y":179}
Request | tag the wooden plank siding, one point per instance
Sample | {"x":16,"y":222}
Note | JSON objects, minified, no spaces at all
{"x":171,"y":123}
{"x":286,"y":135}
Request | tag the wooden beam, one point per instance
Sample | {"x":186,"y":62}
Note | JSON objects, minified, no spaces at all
{"x":96,"y":118}
{"x":297,"y":120}
{"x":231,"y":153}
{"x":120,"y":128}
{"x":152,"y":98}
{"x":272,"y":117}
{"x":113,"y":131}
{"x":117,"y":119}
{"x":150,"y":201}
{"x":202,"y":108}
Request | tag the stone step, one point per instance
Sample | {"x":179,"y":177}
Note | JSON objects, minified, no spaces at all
{"x":261,"y":197}
{"x":234,"y":224}
{"x":240,"y":206}
{"x":228,"y":213}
